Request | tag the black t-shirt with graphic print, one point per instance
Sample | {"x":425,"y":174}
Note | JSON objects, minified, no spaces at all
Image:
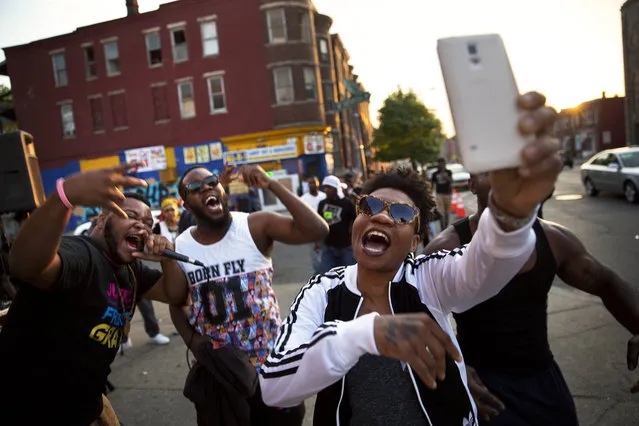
{"x":442,"y":185}
{"x":57,"y":345}
{"x":340,"y":215}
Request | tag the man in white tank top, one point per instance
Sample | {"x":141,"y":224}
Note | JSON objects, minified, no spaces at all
{"x":232,"y":301}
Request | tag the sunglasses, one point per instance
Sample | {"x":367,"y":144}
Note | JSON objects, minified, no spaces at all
{"x":197,"y":185}
{"x":401,"y":213}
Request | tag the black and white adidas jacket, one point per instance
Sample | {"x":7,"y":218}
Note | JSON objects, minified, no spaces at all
{"x":323,"y":338}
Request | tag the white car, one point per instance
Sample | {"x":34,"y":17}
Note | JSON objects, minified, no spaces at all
{"x":83,"y":229}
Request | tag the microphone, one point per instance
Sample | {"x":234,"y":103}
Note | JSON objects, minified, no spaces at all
{"x":180,"y":257}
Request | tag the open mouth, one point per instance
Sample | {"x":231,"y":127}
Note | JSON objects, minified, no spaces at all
{"x":134,"y":242}
{"x":212,"y":204}
{"x":375,"y":243}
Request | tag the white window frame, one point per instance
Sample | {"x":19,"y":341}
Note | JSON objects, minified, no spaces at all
{"x":174,"y":46}
{"x":271,"y":38}
{"x":310,"y":72}
{"x":324,"y":56}
{"x":88,"y":64}
{"x":148,"y":48}
{"x":278,"y":97}
{"x":111,"y":73}
{"x":64,"y":105}
{"x":215,"y":40}
{"x":220,"y":77}
{"x":183,"y":114}
{"x":57,"y":72}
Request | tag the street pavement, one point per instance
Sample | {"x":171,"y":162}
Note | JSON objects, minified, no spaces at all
{"x":588,"y":344}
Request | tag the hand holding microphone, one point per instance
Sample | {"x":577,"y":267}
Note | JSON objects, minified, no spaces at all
{"x":158,"y":248}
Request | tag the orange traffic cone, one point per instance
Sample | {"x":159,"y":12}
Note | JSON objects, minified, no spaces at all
{"x":453,"y":202}
{"x":461,"y":210}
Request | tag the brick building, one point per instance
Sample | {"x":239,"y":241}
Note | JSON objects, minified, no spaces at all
{"x":630,"y":38}
{"x":200,"y":81}
{"x":592,"y":126}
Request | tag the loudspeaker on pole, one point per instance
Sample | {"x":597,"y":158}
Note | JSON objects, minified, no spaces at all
{"x":21,"y":188}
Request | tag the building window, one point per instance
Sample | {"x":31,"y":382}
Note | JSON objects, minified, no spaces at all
{"x":153,"y":48}
{"x":276,"y":21}
{"x":60,"y":70}
{"x":97,"y":115}
{"x":118,"y":110}
{"x":305,"y":27}
{"x":160,"y":104}
{"x":329,"y":99}
{"x":210,"y":45}
{"x":68,"y":122}
{"x":323,"y":48}
{"x":187,"y":101}
{"x":217,"y":98}
{"x":284,"y":92}
{"x":91,"y":69}
{"x":180,"y":48}
{"x":112,"y":58}
{"x":310,"y":83}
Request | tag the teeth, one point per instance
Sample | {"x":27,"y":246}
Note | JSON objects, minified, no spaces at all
{"x":378,"y":234}
{"x":210,"y":198}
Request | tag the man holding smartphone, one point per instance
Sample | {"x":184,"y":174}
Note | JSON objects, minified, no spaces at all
{"x":443,"y":181}
{"x":512,"y":374}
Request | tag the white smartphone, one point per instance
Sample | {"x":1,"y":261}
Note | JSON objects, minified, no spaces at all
{"x":482,"y":93}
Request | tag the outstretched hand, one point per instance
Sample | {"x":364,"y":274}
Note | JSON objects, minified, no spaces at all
{"x":99,"y":188}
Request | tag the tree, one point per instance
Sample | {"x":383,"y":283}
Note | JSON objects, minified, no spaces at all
{"x":407,"y":129}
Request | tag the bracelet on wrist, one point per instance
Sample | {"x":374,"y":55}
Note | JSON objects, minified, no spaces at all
{"x":506,"y":218}
{"x":59,"y":185}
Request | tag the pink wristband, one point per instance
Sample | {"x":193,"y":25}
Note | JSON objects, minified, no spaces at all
{"x":59,"y":184}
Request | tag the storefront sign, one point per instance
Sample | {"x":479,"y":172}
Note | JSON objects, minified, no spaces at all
{"x":189,"y":155}
{"x":202,"y":154}
{"x":152,"y":158}
{"x":216,"y":151}
{"x":314,"y":144}
{"x":260,"y":155}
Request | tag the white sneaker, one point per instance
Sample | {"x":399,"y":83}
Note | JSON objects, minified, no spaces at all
{"x":160,"y":339}
{"x":126,"y":345}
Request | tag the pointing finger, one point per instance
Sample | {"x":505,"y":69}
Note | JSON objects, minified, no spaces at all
{"x":113,"y":206}
{"x":129,"y":181}
{"x":126,"y":167}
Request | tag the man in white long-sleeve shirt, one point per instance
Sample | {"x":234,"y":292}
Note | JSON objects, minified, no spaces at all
{"x":373,"y":340}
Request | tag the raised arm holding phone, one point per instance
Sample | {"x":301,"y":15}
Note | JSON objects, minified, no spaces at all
{"x":373,"y":340}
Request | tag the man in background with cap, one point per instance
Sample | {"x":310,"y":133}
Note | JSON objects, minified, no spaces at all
{"x":339,"y":213}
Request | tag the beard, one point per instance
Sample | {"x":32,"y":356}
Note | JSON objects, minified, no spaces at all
{"x":219,"y":223}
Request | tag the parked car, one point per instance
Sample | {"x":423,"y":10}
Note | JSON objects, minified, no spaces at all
{"x":83,"y":229}
{"x":460,"y":175}
{"x":613,"y":170}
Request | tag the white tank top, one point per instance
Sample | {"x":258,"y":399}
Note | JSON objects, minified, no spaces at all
{"x":232,"y":299}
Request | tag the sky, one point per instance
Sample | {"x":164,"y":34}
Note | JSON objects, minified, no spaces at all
{"x":570,"y":50}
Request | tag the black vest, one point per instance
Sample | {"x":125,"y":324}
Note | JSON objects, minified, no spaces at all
{"x":509,"y":332}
